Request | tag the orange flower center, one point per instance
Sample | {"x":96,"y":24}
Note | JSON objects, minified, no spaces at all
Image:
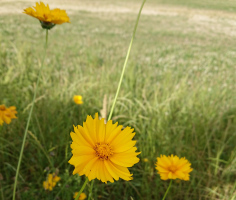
{"x":103,"y":151}
{"x":2,"y":107}
{"x":45,"y":16}
{"x":172,"y":169}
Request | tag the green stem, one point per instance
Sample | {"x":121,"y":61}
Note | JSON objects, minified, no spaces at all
{"x":118,"y":88}
{"x":90,"y":190}
{"x":167,"y":190}
{"x":29,"y":118}
{"x":82,"y":189}
{"x":126,"y":60}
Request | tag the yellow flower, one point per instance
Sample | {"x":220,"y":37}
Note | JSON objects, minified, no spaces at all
{"x":48,"y":18}
{"x":7,"y":114}
{"x":103,"y":151}
{"x":78,"y":99}
{"x":173,"y":167}
{"x":51,"y":181}
{"x":145,"y":160}
{"x":81,"y":197}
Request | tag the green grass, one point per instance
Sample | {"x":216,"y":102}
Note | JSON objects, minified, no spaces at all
{"x":178,"y":94}
{"x":227,"y":5}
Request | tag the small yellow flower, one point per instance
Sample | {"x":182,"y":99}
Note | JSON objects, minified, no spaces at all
{"x":81,"y":197}
{"x":7,"y":114}
{"x":103,"y":151}
{"x":48,"y":18}
{"x":78,"y":99}
{"x":145,"y":160}
{"x":173,"y":167}
{"x":51,"y":181}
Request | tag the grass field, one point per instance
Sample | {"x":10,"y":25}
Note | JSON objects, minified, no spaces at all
{"x":178,"y":93}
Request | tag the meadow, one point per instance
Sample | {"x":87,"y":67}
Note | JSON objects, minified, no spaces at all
{"x":178,"y":93}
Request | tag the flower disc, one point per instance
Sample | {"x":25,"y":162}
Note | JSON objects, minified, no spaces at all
{"x":103,"y":151}
{"x":7,"y":114}
{"x":47,"y":17}
{"x":173,"y":167}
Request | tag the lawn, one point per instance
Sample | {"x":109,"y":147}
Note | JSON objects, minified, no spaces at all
{"x":178,"y":94}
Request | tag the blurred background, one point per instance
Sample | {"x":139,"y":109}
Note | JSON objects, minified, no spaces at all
{"x":178,"y":93}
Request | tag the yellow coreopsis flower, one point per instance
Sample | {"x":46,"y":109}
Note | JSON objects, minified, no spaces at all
{"x":173,"y":167}
{"x":51,"y":181}
{"x":145,"y":160}
{"x":103,"y":151}
{"x":7,"y":114}
{"x":82,"y":196}
{"x":48,"y":18}
{"x":78,"y":99}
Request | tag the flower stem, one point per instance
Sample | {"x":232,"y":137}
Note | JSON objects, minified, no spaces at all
{"x":167,"y":190}
{"x":126,"y":60}
{"x":29,"y":118}
{"x":82,"y":189}
{"x":90,"y":190}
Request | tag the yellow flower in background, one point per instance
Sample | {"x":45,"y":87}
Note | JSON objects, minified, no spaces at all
{"x":145,"y":160}
{"x":51,"y":181}
{"x":7,"y":114}
{"x":103,"y":151}
{"x":78,"y":99}
{"x":81,"y":197}
{"x":173,"y":167}
{"x":48,"y":18}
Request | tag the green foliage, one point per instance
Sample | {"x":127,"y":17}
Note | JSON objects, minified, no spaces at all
{"x":227,"y":5}
{"x":178,"y":93}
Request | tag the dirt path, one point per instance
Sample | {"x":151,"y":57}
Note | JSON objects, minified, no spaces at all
{"x":219,"y":21}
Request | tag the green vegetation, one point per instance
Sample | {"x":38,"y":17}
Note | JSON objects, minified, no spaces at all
{"x":227,"y":5}
{"x":178,"y":93}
